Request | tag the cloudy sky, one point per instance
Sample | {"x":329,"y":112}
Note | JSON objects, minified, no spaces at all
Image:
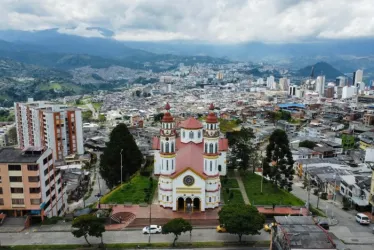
{"x":227,"y":21}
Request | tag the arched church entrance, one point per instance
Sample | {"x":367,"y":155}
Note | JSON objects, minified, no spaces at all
{"x":196,"y":204}
{"x":189,"y":205}
{"x":180,"y":204}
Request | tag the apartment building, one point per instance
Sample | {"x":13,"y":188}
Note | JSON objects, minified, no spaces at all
{"x":55,"y":126}
{"x":30,"y":184}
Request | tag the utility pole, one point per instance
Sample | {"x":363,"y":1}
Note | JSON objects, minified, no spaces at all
{"x":262,"y":175}
{"x":121,"y":166}
{"x":308,"y":177}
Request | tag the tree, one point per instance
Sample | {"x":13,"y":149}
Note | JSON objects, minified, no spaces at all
{"x":274,"y":116}
{"x":102,"y":118}
{"x":137,"y":93}
{"x":278,"y":163}
{"x":88,"y":225}
{"x":158,"y":117}
{"x":243,"y":151}
{"x":86,"y":115}
{"x":12,"y":136}
{"x":176,"y":226}
{"x":110,"y":160}
{"x":307,"y":144}
{"x":241,"y":219}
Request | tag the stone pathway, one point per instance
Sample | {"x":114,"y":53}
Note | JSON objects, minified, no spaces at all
{"x":242,"y":188}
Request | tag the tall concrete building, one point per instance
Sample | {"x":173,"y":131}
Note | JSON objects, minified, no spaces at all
{"x":284,"y":83}
{"x":30,"y":184}
{"x":358,"y":76}
{"x":45,"y":124}
{"x":320,"y":85}
{"x":270,"y":82}
{"x":260,"y":81}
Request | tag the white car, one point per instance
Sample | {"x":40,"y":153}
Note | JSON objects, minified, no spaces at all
{"x":153,"y":229}
{"x":362,"y":219}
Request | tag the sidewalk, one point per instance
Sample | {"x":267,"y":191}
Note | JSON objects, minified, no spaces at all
{"x":242,"y":188}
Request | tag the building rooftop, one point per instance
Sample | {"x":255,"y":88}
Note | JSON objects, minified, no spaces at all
{"x":13,"y":155}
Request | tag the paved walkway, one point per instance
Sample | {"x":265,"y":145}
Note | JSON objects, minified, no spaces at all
{"x":242,"y":188}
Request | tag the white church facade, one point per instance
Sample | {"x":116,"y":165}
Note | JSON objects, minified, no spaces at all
{"x":189,"y":164}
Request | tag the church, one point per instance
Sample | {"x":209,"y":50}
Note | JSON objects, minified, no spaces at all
{"x":189,"y":163}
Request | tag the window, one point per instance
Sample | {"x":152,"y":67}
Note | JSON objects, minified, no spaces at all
{"x":34,"y":179}
{"x":210,"y":199}
{"x":167,"y":198}
{"x":18,"y":202}
{"x":34,"y":190}
{"x":45,"y":171}
{"x":162,"y":147}
{"x":59,"y":190}
{"x":1,"y":202}
{"x":211,"y":148}
{"x":0,"y":179}
{"x":199,"y":134}
{"x":1,"y":190}
{"x":167,"y":165}
{"x":15,"y":178}
{"x":32,"y":167}
{"x":16,"y":190}
{"x":206,"y":147}
{"x":219,"y":168}
{"x":172,"y":165}
{"x":48,"y":192}
{"x":216,"y":147}
{"x":172,"y":147}
{"x":167,"y":147}
{"x":45,"y":160}
{"x":35,"y":201}
{"x":14,"y":167}
{"x":184,"y":134}
{"x":49,"y":157}
{"x":53,"y":197}
{"x":58,"y":181}
{"x":47,"y":182}
{"x":211,"y":166}
{"x":205,"y":165}
{"x":191,"y":135}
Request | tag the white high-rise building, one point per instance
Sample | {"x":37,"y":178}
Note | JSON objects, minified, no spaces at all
{"x":270,"y":82}
{"x":348,"y":92}
{"x":358,"y":76}
{"x":260,"y":81}
{"x":55,"y":126}
{"x":320,"y":85}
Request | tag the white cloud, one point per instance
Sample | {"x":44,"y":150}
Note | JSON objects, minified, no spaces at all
{"x":208,"y":20}
{"x":81,"y":30}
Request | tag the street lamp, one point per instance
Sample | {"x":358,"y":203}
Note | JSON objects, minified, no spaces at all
{"x":189,"y":209}
{"x":121,"y":166}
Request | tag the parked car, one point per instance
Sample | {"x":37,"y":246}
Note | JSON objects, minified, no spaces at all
{"x":268,"y":226}
{"x":153,"y":229}
{"x":221,"y":229}
{"x":324,"y":224}
{"x":362,"y":219}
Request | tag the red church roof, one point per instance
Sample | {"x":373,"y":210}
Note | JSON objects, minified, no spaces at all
{"x":191,"y":123}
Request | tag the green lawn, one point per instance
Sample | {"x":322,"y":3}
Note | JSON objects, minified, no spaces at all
{"x":228,"y":125}
{"x":97,"y":105}
{"x":230,"y":183}
{"x":236,"y":199}
{"x":271,"y":195}
{"x":132,"y":191}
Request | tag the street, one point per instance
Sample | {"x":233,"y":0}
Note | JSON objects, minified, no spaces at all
{"x":198,"y":235}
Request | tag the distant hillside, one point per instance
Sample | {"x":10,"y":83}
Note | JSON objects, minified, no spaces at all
{"x":320,"y":68}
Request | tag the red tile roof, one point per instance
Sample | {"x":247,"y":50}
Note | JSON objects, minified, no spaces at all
{"x":190,"y":155}
{"x":191,"y":123}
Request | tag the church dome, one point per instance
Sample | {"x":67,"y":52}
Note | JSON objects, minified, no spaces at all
{"x":191,"y":123}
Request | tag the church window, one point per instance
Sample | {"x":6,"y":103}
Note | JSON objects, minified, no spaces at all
{"x":215,"y":148}
{"x":214,"y":199}
{"x":210,"y":199}
{"x":191,"y":135}
{"x":215,"y":165}
{"x":167,"y":198}
{"x":199,"y":134}
{"x":184,"y":134}
{"x":211,"y":166}
{"x":206,"y":147}
{"x":172,"y":147}
{"x":172,"y":164}
{"x":219,"y":168}
{"x":205,"y":165}
{"x":166,"y":147}
{"x":211,"y":148}
{"x":167,"y":165}
{"x":162,"y":147}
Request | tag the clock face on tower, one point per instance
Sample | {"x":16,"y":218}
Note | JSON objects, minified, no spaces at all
{"x":188,"y":180}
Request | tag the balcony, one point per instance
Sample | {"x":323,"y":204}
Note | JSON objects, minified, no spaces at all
{"x":16,"y":184}
{"x":15,"y":173}
{"x":17,"y":196}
